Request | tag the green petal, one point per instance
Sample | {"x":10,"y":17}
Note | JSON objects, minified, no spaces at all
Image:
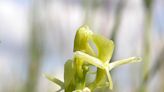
{"x":109,"y":79}
{"x":105,"y":49}
{"x":124,"y":61}
{"x":69,"y":73}
{"x":104,"y":46}
{"x":89,"y":59}
{"x":96,"y":62}
{"x":83,"y":35}
{"x":55,"y":80}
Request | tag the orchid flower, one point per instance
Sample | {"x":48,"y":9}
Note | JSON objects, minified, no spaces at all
{"x":75,"y":69}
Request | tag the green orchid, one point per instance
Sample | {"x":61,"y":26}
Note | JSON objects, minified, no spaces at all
{"x":85,"y":56}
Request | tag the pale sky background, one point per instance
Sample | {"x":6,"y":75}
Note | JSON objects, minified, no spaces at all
{"x":61,"y":19}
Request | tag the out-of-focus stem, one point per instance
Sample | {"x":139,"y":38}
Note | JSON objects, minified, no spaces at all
{"x":34,"y":63}
{"x":147,"y":41}
{"x":161,"y":79}
{"x":152,"y":72}
{"x":87,"y":8}
{"x":90,"y":6}
{"x":35,"y":51}
{"x":115,"y":30}
{"x":117,"y":22}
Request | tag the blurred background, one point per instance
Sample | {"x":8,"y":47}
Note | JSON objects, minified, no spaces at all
{"x":36,"y":37}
